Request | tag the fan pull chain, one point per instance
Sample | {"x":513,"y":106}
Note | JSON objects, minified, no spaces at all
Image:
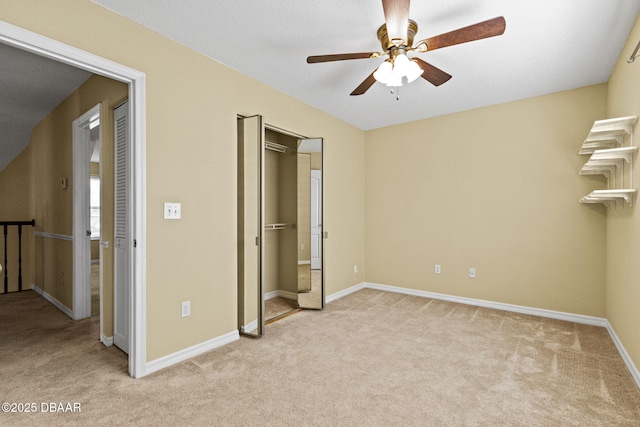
{"x":397,"y":89}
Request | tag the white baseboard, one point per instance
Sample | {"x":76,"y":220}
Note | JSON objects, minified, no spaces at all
{"x":569,"y":317}
{"x":623,"y":353}
{"x":345,"y":292}
{"x":304,"y":262}
{"x":559,"y":315}
{"x":250,"y":327}
{"x":107,"y":341}
{"x":53,"y":301}
{"x":189,"y":352}
{"x":279,"y":293}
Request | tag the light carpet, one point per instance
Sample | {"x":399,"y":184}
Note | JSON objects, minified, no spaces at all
{"x":369,"y":359}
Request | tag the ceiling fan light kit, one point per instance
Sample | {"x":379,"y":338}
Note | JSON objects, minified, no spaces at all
{"x":391,"y":71}
{"x":396,"y":38}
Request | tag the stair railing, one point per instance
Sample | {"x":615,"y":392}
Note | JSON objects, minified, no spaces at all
{"x":6,"y":225}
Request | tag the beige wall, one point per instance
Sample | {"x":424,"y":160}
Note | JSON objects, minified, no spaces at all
{"x":30,"y":188}
{"x":495,"y":189}
{"x":51,"y":149}
{"x":498,"y":193}
{"x":623,"y":225}
{"x":192,"y":103}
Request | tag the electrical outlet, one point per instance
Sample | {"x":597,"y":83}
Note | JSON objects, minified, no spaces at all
{"x":472,"y":273}
{"x":172,"y":210}
{"x":186,"y":308}
{"x":355,"y":268}
{"x":436,"y":270}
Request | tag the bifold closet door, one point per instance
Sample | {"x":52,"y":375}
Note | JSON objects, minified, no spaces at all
{"x":122,"y":229}
{"x":250,"y":225}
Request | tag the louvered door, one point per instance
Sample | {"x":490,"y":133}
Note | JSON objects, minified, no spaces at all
{"x":122,"y":229}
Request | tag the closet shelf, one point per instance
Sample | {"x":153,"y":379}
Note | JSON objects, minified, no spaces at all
{"x":605,"y":134}
{"x":279,"y":226}
{"x":609,"y":196}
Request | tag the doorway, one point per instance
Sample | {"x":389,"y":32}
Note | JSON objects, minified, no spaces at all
{"x":276,"y":169}
{"x":54,"y":50}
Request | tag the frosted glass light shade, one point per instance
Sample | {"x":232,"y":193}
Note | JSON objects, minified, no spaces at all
{"x":395,"y":80}
{"x":413,"y":71}
{"x":383,"y":73}
{"x":401,"y":64}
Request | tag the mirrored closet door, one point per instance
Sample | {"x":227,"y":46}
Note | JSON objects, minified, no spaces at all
{"x":310,"y":278}
{"x":280,"y":249}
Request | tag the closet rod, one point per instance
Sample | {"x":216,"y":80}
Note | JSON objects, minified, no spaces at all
{"x":279,"y":226}
{"x":278,"y":147}
{"x":634,"y":54}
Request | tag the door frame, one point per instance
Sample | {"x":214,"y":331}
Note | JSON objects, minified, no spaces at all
{"x":61,"y":52}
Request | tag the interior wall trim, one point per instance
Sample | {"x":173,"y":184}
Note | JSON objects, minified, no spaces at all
{"x":559,"y":315}
{"x":251,"y":327}
{"x":343,"y":293}
{"x":107,"y":341}
{"x":44,"y":294}
{"x":279,"y":293}
{"x":551,"y":314}
{"x":623,"y":353}
{"x":53,"y":236}
{"x":189,"y":352}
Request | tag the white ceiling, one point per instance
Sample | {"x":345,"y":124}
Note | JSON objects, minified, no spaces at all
{"x":30,"y":88}
{"x":548,"y":46}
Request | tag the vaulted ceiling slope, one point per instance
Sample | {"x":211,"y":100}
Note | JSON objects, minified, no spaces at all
{"x":548,"y":46}
{"x":31,"y":86}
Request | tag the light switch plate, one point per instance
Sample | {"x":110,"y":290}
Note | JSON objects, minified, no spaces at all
{"x":172,"y":210}
{"x":186,"y":308}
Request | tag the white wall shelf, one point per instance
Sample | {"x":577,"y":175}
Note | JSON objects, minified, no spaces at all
{"x":606,"y":145}
{"x":608,"y":133}
{"x":614,"y":154}
{"x":609,"y":197}
{"x":599,"y":169}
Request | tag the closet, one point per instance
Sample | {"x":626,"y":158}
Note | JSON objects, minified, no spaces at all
{"x":279,"y":224}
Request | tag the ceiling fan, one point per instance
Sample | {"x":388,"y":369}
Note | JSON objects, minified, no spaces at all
{"x":396,"y":37}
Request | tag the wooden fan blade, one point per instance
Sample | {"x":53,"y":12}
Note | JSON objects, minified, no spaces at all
{"x":364,"y":86}
{"x":396,"y":16}
{"x":481,"y":30}
{"x":341,"y":57}
{"x":433,"y":75}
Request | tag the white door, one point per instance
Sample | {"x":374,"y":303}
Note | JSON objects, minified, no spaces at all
{"x":82,"y":149}
{"x":122,"y":230}
{"x":316,"y":220}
